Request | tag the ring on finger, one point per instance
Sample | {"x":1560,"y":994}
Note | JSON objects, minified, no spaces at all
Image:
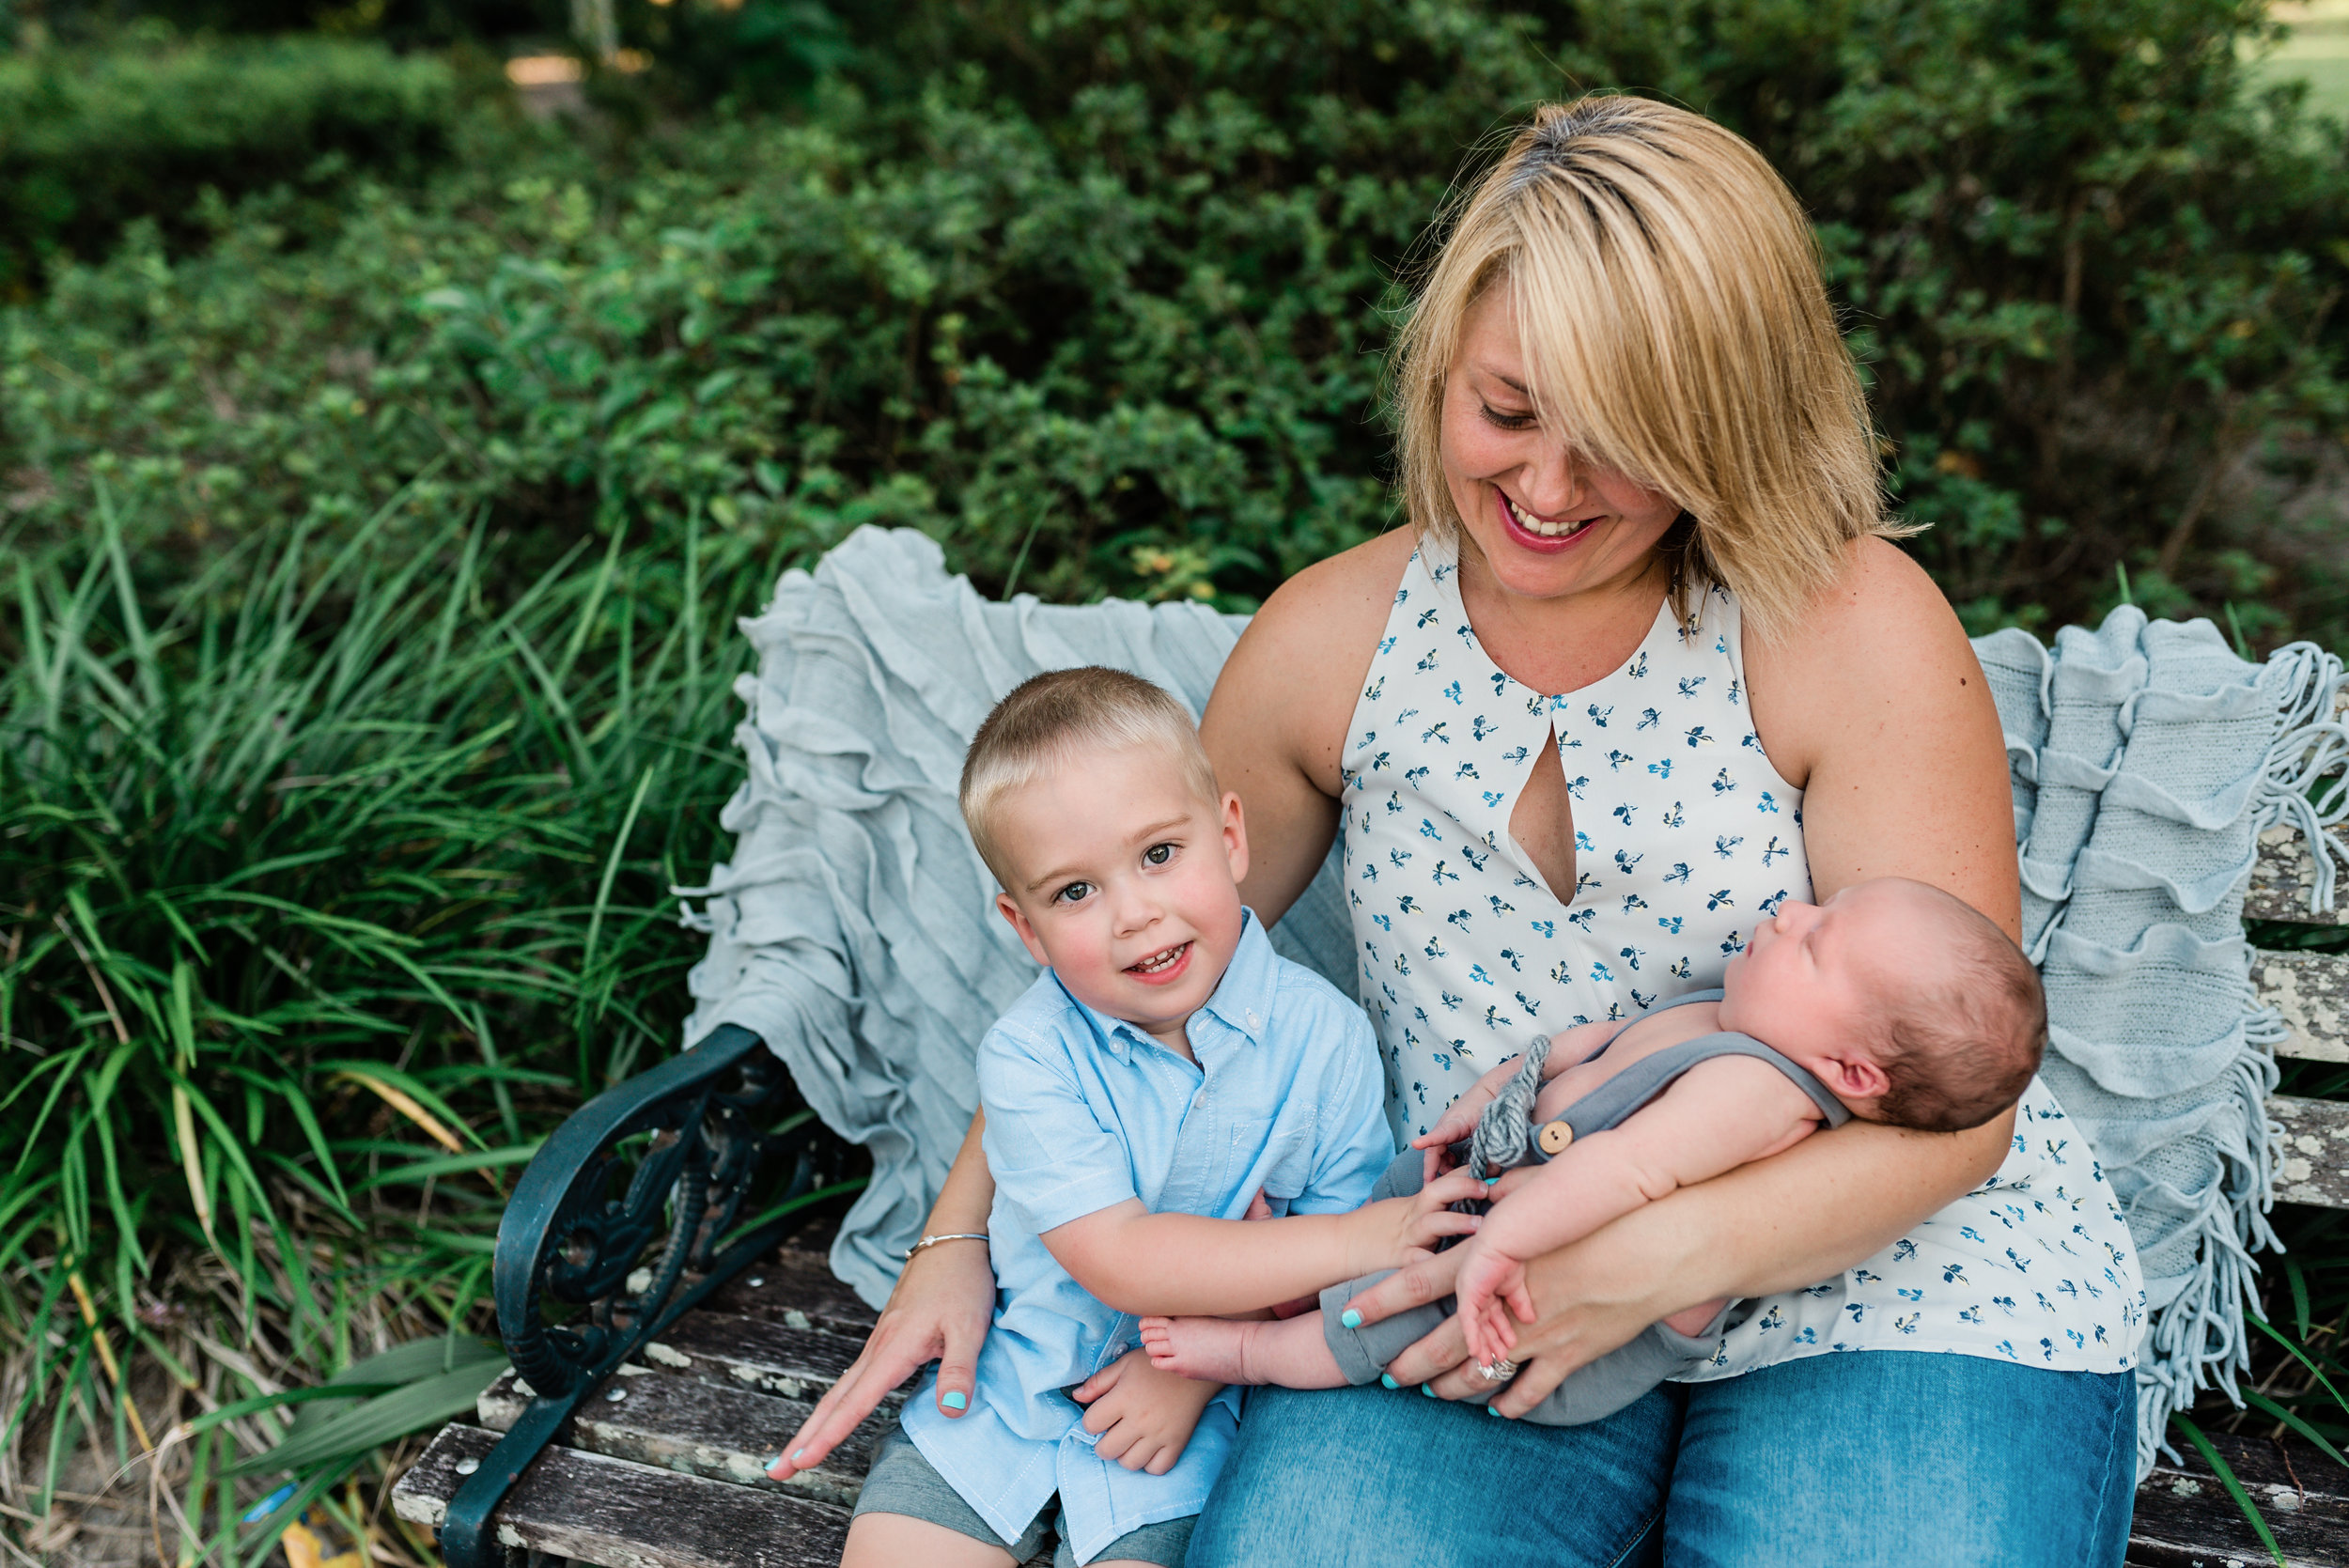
{"x":1498,"y":1371}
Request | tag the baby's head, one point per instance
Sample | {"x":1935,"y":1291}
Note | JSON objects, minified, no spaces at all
{"x":1090,"y":798}
{"x":1907,"y":1003}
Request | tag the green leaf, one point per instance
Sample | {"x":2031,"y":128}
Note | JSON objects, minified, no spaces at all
{"x":383,"y":1419}
{"x":2225,"y":1473}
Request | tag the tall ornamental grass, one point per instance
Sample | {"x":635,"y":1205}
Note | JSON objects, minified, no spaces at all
{"x":326,"y":887}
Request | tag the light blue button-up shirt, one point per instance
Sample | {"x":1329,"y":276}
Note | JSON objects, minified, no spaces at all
{"x":1084,"y":1112}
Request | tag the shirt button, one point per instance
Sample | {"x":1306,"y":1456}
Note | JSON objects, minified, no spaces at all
{"x":1116,"y":1349}
{"x":1252,"y":1021}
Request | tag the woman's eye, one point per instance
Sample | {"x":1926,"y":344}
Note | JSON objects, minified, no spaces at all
{"x":1504,"y":421}
{"x":1073,"y":893}
{"x":1158,"y":854}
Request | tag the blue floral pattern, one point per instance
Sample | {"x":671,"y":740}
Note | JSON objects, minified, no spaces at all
{"x":1684,"y":834}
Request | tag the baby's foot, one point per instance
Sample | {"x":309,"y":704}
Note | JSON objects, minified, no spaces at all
{"x":1212,"y":1349}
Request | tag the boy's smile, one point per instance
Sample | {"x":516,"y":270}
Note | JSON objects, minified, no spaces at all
{"x":1126,"y":883}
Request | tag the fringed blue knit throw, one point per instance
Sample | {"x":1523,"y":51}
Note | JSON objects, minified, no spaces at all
{"x":2146,"y":758}
{"x":851,"y":930}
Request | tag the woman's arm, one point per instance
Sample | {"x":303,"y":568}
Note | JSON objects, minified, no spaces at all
{"x":939,"y":1313}
{"x":1275,"y":727}
{"x":1876,"y":708}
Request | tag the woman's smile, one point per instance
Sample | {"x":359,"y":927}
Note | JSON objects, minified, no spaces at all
{"x":1529,"y":531}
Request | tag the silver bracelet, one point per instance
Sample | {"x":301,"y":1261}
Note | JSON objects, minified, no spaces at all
{"x":934,"y":1240}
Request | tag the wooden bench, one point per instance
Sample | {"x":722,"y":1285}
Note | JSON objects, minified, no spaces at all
{"x":659,"y":1464}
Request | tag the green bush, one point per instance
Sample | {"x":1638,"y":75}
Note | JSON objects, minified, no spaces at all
{"x":1097,"y":292}
{"x":325,"y":890}
{"x":91,"y":139}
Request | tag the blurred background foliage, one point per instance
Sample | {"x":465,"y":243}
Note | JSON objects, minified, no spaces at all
{"x":385,"y":453}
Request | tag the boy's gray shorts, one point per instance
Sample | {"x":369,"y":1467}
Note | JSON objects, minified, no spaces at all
{"x":902,"y":1482}
{"x":1599,"y":1389}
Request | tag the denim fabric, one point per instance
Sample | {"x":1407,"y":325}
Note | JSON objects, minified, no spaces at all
{"x":1899,"y":1458}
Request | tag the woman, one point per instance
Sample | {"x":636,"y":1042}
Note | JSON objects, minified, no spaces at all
{"x":1644,"y":666}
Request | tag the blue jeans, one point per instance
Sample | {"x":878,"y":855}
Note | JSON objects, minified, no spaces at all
{"x":1868,"y":1457}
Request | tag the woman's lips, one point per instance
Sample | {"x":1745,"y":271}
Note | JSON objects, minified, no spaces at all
{"x":1516,"y":525}
{"x":1167,"y":971}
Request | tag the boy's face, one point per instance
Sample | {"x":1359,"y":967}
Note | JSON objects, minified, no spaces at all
{"x":1126,"y":883}
{"x":1809,"y":980}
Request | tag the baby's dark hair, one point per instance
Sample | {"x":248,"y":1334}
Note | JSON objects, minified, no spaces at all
{"x":1962,"y":1039}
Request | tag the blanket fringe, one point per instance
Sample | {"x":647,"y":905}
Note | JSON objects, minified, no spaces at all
{"x":2197,"y":1340}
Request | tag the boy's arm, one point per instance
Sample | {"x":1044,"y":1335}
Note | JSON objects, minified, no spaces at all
{"x":1718,"y":1115}
{"x":1183,"y":1264}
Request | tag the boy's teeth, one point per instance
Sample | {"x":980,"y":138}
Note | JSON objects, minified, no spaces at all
{"x":1539,"y":529}
{"x":1158,"y":961}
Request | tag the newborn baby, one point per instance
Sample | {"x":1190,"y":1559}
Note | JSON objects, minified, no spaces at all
{"x":1892,"y":1001}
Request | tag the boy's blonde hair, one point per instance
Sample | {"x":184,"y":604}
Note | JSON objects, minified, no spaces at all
{"x":1668,"y":296}
{"x":1048,"y":718}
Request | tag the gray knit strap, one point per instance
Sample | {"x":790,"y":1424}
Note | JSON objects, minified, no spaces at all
{"x":1625,"y":1095}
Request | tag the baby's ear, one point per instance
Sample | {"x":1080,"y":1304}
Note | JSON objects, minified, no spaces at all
{"x":1857,"y":1078}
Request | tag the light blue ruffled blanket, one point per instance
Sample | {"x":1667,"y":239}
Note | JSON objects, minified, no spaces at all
{"x":853,"y":930}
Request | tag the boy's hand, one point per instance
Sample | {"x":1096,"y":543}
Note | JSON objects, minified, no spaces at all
{"x":1144,"y":1416}
{"x":1460,"y":1118}
{"x":1489,"y":1278}
{"x":1397,"y":1231}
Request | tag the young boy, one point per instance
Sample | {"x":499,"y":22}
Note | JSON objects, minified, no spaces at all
{"x":1164,"y":1069}
{"x":1892,"y":1001}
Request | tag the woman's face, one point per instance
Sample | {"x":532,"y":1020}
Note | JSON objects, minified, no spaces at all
{"x":1547,"y":526}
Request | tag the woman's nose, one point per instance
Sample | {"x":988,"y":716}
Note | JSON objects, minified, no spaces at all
{"x":1551,"y":483}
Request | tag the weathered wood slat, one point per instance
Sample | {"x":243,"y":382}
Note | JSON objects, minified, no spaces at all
{"x":2186,"y":1519}
{"x":703,"y":1428}
{"x":599,"y":1510}
{"x":2311,"y":991}
{"x":2280,"y":879}
{"x":2313,"y":1166}
{"x":770,"y":1355}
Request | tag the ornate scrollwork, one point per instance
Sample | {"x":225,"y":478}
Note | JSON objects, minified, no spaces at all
{"x":688,"y":1140}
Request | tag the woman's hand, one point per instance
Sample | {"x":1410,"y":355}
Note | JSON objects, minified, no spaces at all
{"x":1588,"y":1299}
{"x":939,"y":1313}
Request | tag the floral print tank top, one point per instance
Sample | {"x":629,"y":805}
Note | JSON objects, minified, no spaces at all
{"x":1685,"y":836}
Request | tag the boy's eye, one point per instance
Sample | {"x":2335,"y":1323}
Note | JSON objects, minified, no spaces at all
{"x":1073,"y":893}
{"x":1158,"y":854}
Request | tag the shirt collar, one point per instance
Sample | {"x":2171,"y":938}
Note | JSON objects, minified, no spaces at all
{"x":1242,"y":1000}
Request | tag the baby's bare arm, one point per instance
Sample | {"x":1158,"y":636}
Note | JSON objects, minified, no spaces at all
{"x":1718,"y":1115}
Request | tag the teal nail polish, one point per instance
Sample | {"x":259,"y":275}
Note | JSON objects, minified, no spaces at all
{"x":772,"y":1463}
{"x":1389,"y":1380}
{"x":800,"y":1458}
{"x":1428,"y":1392}
{"x":1489,"y":1180}
{"x":1350,"y":1318}
{"x":955,"y":1400}
{"x":1490,"y":1411}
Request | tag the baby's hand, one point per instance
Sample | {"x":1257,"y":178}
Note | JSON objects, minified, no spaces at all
{"x":1146,"y":1417}
{"x":1394,"y":1231}
{"x":1486,"y":1278}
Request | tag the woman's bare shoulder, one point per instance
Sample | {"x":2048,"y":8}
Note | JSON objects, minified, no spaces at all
{"x":1296,"y":669}
{"x":1880,"y":631}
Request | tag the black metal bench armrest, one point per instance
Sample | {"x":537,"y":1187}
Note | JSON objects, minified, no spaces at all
{"x":696,"y":1130}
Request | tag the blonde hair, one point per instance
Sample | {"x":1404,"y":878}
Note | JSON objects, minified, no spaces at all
{"x":1675,"y":327}
{"x":1046,"y":719}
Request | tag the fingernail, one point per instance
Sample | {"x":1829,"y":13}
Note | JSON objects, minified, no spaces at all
{"x":772,"y":1463}
{"x":1350,"y":1318}
{"x":1489,"y":1180}
{"x":955,"y":1400}
{"x":1490,"y":1411}
{"x":800,"y":1457}
{"x":1389,"y":1381}
{"x":1428,"y":1392}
